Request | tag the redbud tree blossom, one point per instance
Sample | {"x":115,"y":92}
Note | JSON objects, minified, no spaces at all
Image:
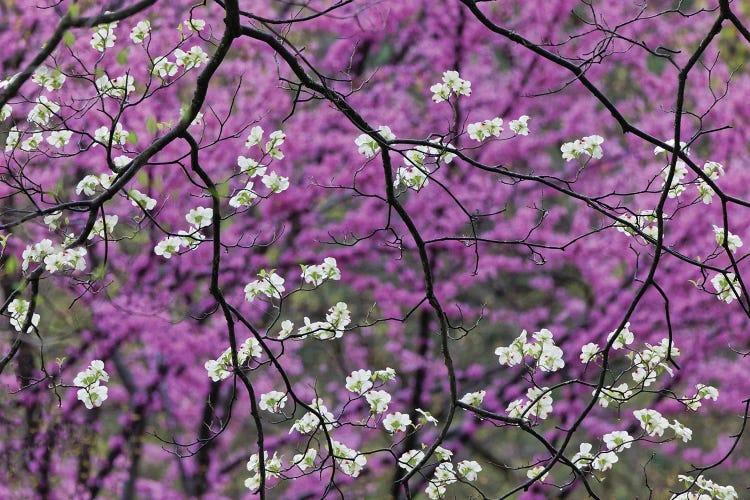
{"x":373,"y":249}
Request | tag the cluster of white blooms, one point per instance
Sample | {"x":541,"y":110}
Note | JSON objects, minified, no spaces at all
{"x":43,"y":111}
{"x":250,"y":167}
{"x":713,"y":170}
{"x":520,"y":126}
{"x":5,"y":111}
{"x":33,"y":142}
{"x":50,"y":80}
{"x":305,"y":461}
{"x":615,"y":395}
{"x":445,"y":472}
{"x":415,"y":174}
{"x":92,"y":393}
{"x":702,"y":392}
{"x":654,"y":424}
{"x":480,"y":131}
{"x":683,"y":147}
{"x":337,"y":319}
{"x":359,"y":382}
{"x":367,"y":146}
{"x":651,"y":362}
{"x":733,"y":241}
{"x":141,"y":200}
{"x":273,"y":401}
{"x":709,"y":489}
{"x":104,"y":228}
{"x":645,"y":221}
{"x":676,"y":187}
{"x":221,"y":367}
{"x":273,"y":467}
{"x":544,"y":351}
{"x":91,"y":183}
{"x":316,"y":275}
{"x":539,"y":404}
{"x":624,"y":337}
{"x":589,"y":352}
{"x":59,"y":138}
{"x":58,"y":259}
{"x":198,"y":218}
{"x":396,"y":422}
{"x":452,"y":83}
{"x":195,"y":24}
{"x":140,"y":31}
{"x":310,"y":421}
{"x":244,"y":197}
{"x":19,"y":312}
{"x":536,"y":471}
{"x":378,"y":401}
{"x":119,"y":135}
{"x":350,"y":461}
{"x":164,"y":67}
{"x":117,"y":88}
{"x":590,"y":145}
{"x":617,"y":440}
{"x":194,"y":58}
{"x":473,"y":398}
{"x":275,"y":140}
{"x":727,"y":287}
{"x":273,"y":181}
{"x":270,"y":284}
{"x":104,"y":36}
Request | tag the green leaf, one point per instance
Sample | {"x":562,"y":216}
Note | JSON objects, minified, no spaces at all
{"x":122,"y":56}
{"x":151,"y":125}
{"x":132,"y":137}
{"x":69,"y":39}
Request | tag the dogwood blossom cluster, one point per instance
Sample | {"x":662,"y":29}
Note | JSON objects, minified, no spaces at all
{"x":539,"y":403}
{"x":733,"y":241}
{"x":590,"y":145}
{"x":520,"y":126}
{"x":452,"y":84}
{"x":193,"y":58}
{"x":55,"y":259}
{"x":310,"y":422}
{"x":368,"y":146}
{"x":221,"y":368}
{"x":43,"y":111}
{"x":272,"y":466}
{"x":272,"y":180}
{"x":91,"y":392}
{"x":709,"y":489}
{"x":651,"y":361}
{"x":198,"y":218}
{"x":273,"y":401}
{"x":544,"y":351}
{"x":676,"y":187}
{"x":444,"y":474}
{"x":103,"y":227}
{"x":713,"y":171}
{"x":104,"y":37}
{"x":19,"y":312}
{"x":117,"y":88}
{"x":480,"y":131}
{"x":414,"y":175}
{"x":337,"y":319}
{"x":473,"y":398}
{"x":727,"y":287}
{"x":141,"y":200}
{"x":49,"y":79}
{"x":645,"y":221}
{"x":118,"y":136}
{"x":270,"y":284}
{"x":702,"y":392}
{"x":654,"y":424}
{"x":316,"y":275}
{"x":140,"y":31}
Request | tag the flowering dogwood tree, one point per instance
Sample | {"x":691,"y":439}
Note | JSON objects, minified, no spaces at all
{"x":367,"y":248}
